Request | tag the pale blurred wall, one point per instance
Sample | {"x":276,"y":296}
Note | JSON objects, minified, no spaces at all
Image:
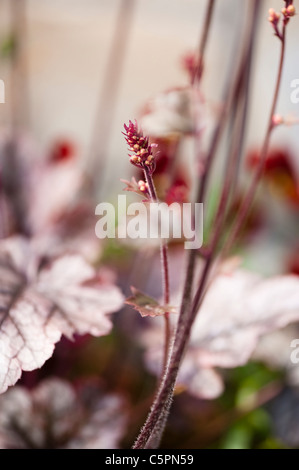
{"x":68,"y":46}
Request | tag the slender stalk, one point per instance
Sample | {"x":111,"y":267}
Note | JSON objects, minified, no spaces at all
{"x":154,"y":425}
{"x":248,"y":199}
{"x":200,"y":199}
{"x":228,"y":100}
{"x":214,"y":143}
{"x":199,"y":294}
{"x":237,"y":141}
{"x":203,"y":41}
{"x":165,"y":270}
{"x":156,"y":417}
{"x":150,"y":434}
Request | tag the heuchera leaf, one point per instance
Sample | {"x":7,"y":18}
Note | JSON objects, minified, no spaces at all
{"x":38,"y":305}
{"x":57,"y":416}
{"x":239,"y":308}
{"x":146,"y":305}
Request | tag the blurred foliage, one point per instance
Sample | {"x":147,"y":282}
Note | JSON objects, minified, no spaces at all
{"x":8,"y":46}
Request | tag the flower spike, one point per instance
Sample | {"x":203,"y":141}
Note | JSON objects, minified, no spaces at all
{"x":142,"y":152}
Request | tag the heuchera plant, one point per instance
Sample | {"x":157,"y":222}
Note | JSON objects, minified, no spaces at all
{"x":55,"y":286}
{"x":215,"y":251}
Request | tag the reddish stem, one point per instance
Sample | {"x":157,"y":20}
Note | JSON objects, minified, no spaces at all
{"x":151,"y":432}
{"x":203,"y":41}
{"x":165,"y":269}
{"x":248,"y":199}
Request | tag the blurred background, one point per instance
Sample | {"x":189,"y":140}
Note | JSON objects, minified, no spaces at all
{"x":69,"y":66}
{"x":75,"y":71}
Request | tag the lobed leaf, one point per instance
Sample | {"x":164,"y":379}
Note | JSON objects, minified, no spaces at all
{"x":39,"y":304}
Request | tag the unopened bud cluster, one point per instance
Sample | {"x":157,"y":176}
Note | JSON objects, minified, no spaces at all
{"x":143,"y":186}
{"x":142,"y":152}
{"x":273,"y":17}
{"x":287,"y":12}
{"x":277,"y":120}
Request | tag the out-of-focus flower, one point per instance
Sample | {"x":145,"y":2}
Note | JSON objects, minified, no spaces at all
{"x":254,"y":221}
{"x":293,"y":262}
{"x":168,"y":119}
{"x":279,"y":173}
{"x":42,"y":197}
{"x":191,"y":64}
{"x":174,"y":113}
{"x":71,"y":232}
{"x":62,"y":150}
{"x":55,"y":415}
{"x":178,"y":192}
{"x":53,"y":187}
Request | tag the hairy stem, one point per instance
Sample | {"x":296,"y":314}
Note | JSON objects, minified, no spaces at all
{"x":165,"y":270}
{"x":158,"y":415}
{"x":151,"y":433}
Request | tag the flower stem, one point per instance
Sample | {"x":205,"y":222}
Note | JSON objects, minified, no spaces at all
{"x":165,"y":269}
{"x":239,"y":119}
{"x":203,"y":41}
{"x":157,"y":417}
{"x":248,"y":199}
{"x":151,"y":433}
{"x":228,"y":94}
